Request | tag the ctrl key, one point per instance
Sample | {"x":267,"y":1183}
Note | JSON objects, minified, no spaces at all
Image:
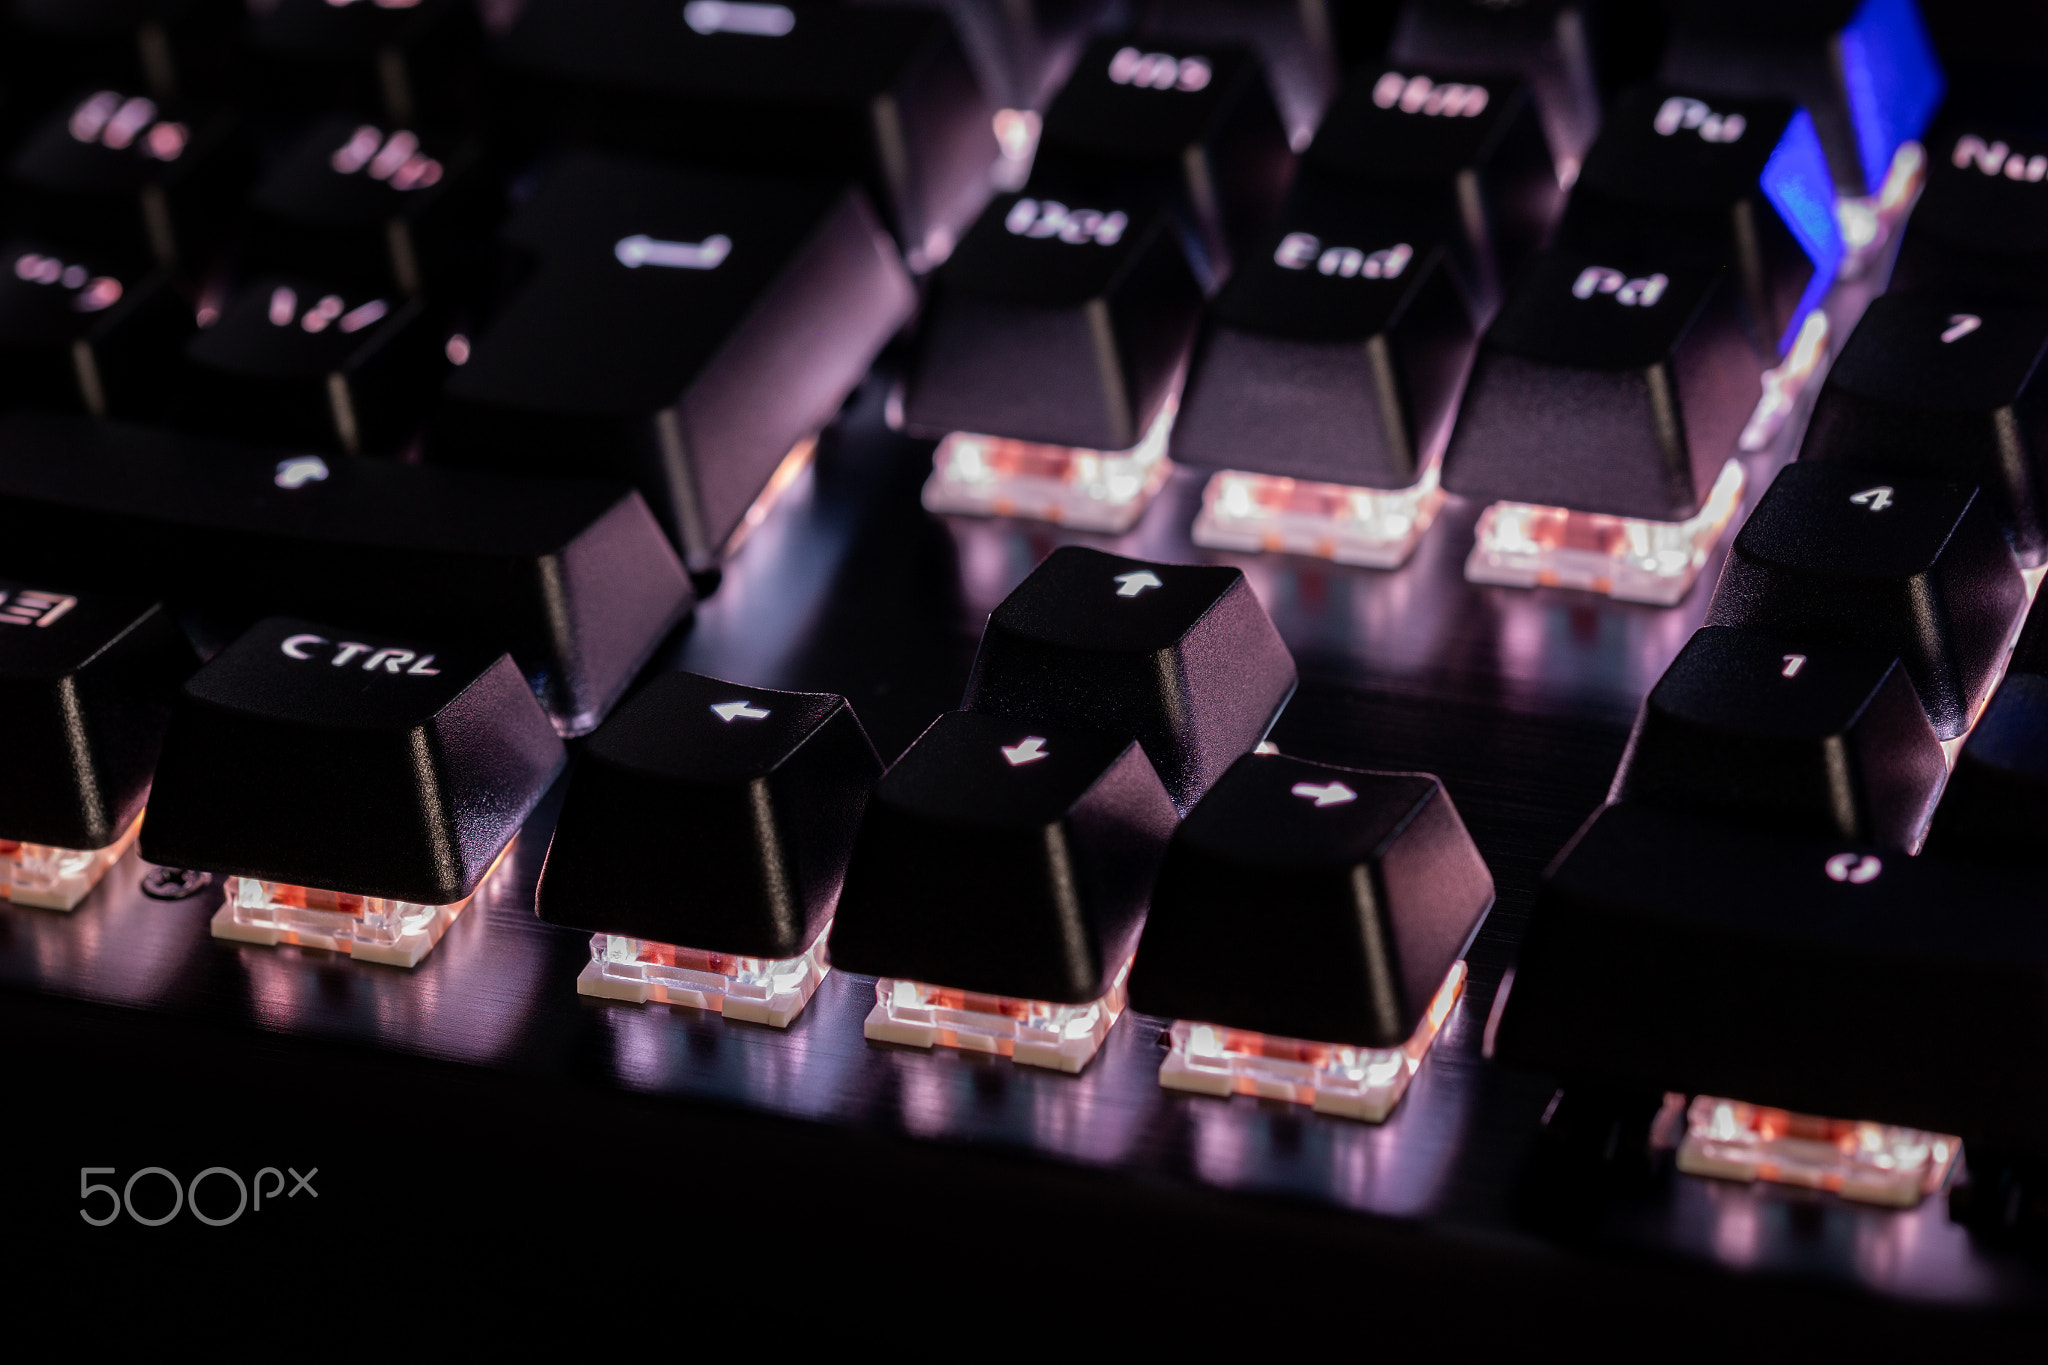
{"x":997,"y":887}
{"x":355,"y":789}
{"x":1308,"y":932}
{"x":86,"y":683}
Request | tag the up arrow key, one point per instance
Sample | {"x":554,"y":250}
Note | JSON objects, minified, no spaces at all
{"x":1329,"y":794}
{"x":730,"y":711}
{"x":1135,"y":583}
{"x":1029,"y":751}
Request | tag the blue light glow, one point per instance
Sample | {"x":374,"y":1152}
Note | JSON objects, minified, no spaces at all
{"x":1894,"y":81}
{"x":1797,"y":182}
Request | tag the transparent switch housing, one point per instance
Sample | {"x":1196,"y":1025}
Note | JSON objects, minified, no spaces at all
{"x":398,"y":933}
{"x":52,"y":878}
{"x":760,"y":990}
{"x":1872,"y":1163}
{"x":1377,"y":528}
{"x":1088,"y":490}
{"x":1028,"y":1032}
{"x":1331,"y":1078}
{"x":1521,"y":545}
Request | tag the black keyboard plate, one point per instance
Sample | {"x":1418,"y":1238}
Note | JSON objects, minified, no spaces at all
{"x":477,"y":1111}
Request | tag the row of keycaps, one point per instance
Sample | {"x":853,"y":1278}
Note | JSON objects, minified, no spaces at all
{"x":1011,"y":852}
{"x":1013,"y":340}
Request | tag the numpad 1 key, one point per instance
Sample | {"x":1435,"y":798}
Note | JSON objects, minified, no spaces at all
{"x":1936,"y":385}
{"x":758,"y":792}
{"x":572,"y":576}
{"x":681,"y":330}
{"x":1822,"y":739}
{"x":300,"y":360}
{"x":1739,"y":183}
{"x":880,"y":95}
{"x":1460,"y":152}
{"x":375,"y":204}
{"x":1916,"y":567}
{"x":87,"y":680}
{"x":1196,"y":125}
{"x":1180,"y":657}
{"x":115,"y":169}
{"x":84,"y":332}
{"x":355,"y":788}
{"x":1980,"y":230}
{"x":998,"y":884}
{"x":1307,"y":933}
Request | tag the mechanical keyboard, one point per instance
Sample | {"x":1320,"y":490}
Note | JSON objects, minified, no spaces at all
{"x":1360,"y":670}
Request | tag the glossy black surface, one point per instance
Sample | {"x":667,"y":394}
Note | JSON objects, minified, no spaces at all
{"x":1365,"y":884}
{"x":419,"y":761}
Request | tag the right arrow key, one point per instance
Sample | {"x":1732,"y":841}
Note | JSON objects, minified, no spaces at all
{"x":1307,"y":934}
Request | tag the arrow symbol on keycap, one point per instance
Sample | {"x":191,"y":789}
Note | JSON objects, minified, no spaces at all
{"x":1030,"y":751}
{"x":730,"y":711}
{"x":1329,"y":794}
{"x":1135,"y":583}
{"x":640,"y":249}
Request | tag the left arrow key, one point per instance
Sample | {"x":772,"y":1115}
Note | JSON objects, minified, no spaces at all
{"x":762,"y":813}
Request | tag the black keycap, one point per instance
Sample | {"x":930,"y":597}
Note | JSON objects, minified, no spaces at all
{"x":683,"y":331}
{"x":1553,"y":44}
{"x":376,"y":205}
{"x":756,"y":793}
{"x":406,"y":61}
{"x":1463,"y":153}
{"x":296,"y":360}
{"x":87,"y":681}
{"x":1180,"y":657}
{"x":1980,"y":229}
{"x":1996,"y":802}
{"x":1680,"y":954}
{"x":171,"y":47}
{"x":1012,"y":340}
{"x":322,"y":756}
{"x":1020,"y":49}
{"x":1819,"y":739}
{"x":1606,"y":384}
{"x":1309,"y":901}
{"x":111,"y":169}
{"x":1295,"y":44}
{"x":1195,"y":125}
{"x":1865,"y":68}
{"x":1737,"y":183}
{"x":1334,"y":354}
{"x":1004,"y":859}
{"x":571,"y":575}
{"x":879,"y":95}
{"x":1928,"y":387}
{"x":1913,"y":567}
{"x":80,"y":333}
